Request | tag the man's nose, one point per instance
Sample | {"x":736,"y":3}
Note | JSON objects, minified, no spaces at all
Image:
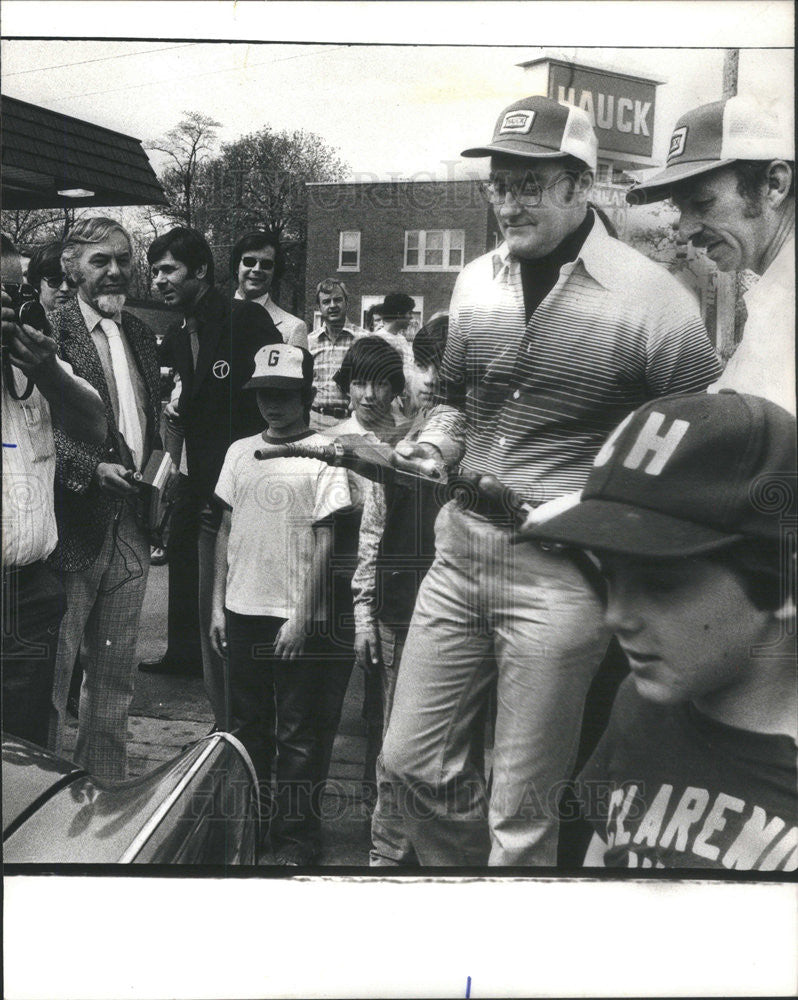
{"x":510,"y":205}
{"x":113,"y":266}
{"x":686,"y":228}
{"x":619,"y":613}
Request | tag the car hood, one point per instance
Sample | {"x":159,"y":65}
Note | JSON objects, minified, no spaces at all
{"x":54,"y":812}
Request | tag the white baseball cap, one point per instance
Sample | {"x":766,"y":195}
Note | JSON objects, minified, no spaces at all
{"x":715,"y":135}
{"x":539,"y":128}
{"x":281,"y":366}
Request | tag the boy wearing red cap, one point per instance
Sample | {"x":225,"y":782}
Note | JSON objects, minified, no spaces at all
{"x":690,"y":508}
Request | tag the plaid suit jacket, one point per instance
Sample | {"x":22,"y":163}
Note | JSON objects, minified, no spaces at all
{"x":82,"y":509}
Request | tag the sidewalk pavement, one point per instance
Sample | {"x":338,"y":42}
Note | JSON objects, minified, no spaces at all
{"x":169,"y":712}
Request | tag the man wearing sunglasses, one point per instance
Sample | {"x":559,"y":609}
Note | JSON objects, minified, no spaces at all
{"x":254,"y":262}
{"x":47,"y":277}
{"x":212,"y":348}
{"x":553,"y":339}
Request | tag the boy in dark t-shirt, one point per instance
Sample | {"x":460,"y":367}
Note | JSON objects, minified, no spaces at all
{"x":689,"y":509}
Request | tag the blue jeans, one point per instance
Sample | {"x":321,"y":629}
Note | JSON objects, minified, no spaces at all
{"x":536,"y":614}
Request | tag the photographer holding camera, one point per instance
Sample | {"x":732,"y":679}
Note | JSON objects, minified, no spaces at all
{"x":39,"y":392}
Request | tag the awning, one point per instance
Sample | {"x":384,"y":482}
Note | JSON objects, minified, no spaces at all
{"x":44,"y":153}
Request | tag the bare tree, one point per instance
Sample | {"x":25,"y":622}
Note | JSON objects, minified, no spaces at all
{"x":32,"y":227}
{"x":188,"y":148}
{"x":259,"y":181}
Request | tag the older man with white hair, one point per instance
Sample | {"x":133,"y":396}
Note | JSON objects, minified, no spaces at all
{"x":103,"y":551}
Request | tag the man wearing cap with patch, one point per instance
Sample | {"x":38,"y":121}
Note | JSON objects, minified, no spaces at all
{"x":690,"y":509}
{"x":553,"y":338}
{"x":731,"y":174}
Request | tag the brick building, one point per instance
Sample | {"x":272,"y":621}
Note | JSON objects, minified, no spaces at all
{"x":395,"y":236}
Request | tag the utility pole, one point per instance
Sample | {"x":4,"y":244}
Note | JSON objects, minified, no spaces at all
{"x":731,"y":63}
{"x":727,"y":284}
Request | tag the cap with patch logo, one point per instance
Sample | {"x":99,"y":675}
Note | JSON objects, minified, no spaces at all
{"x":281,"y":366}
{"x":539,"y":127}
{"x":713,"y":136}
{"x":684,"y":475}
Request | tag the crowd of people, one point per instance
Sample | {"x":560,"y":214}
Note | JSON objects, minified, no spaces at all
{"x":614,"y":481}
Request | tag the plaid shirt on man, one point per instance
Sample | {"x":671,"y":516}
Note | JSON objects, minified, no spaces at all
{"x":327,"y":357}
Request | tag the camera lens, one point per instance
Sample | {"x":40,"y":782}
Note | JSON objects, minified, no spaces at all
{"x":31,"y":313}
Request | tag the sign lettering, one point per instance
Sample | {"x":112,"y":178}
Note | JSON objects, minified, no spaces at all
{"x":620,"y":108}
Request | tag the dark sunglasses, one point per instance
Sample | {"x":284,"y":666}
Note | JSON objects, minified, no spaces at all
{"x":55,"y":281}
{"x":265,"y":264}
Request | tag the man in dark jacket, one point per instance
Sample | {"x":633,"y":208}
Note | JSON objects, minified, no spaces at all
{"x":213,"y":352}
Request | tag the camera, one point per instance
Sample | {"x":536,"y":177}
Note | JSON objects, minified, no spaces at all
{"x":28,"y":310}
{"x":26,"y":305}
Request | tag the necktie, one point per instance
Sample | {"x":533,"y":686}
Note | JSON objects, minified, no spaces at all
{"x":129,"y":424}
{"x":193,"y":336}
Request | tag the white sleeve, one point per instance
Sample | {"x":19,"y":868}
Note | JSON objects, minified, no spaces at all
{"x":332,"y":492}
{"x":226,"y":484}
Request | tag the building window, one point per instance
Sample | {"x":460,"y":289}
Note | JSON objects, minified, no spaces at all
{"x":349,"y":251}
{"x":434,"y":249}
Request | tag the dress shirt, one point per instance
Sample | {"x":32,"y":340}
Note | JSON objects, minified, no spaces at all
{"x":29,"y":526}
{"x":93,"y":320}
{"x":327,"y":357}
{"x":292,"y":329}
{"x":532,"y":402}
{"x":764,"y":362}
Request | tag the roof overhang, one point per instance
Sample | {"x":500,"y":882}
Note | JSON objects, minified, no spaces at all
{"x":45,"y":154}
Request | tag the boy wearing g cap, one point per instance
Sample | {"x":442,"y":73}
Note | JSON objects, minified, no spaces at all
{"x":272,"y":563}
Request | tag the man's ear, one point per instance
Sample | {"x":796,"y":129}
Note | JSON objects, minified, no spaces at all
{"x":201,"y":272}
{"x":584,"y":184}
{"x":780,"y":177}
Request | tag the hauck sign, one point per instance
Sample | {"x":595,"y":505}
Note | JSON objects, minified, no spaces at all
{"x":621,"y":107}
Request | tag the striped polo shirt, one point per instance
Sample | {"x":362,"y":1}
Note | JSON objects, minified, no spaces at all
{"x":532,"y":403}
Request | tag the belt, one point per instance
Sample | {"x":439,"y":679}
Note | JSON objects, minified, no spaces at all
{"x":341,"y":412}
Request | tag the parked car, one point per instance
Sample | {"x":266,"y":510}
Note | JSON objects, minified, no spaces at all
{"x":198,"y":808}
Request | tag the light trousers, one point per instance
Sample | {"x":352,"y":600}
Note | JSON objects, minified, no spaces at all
{"x":537,"y":615}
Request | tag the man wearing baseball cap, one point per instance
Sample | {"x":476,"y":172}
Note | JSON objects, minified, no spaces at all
{"x":731,"y":173}
{"x":688,"y":509}
{"x":553,"y":338}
